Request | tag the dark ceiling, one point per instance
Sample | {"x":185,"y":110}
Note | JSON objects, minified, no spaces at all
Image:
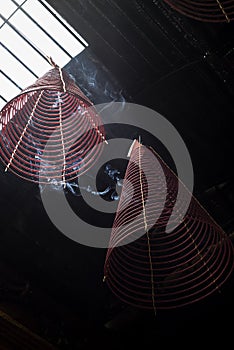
{"x":146,"y":53}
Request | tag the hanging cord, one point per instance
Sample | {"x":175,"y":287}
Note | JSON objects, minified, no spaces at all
{"x":146,"y":230}
{"x":53,"y":64}
{"x":51,"y":61}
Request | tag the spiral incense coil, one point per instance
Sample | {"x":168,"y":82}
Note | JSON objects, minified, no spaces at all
{"x":161,"y":269}
{"x":205,"y":10}
{"x":50,"y":130}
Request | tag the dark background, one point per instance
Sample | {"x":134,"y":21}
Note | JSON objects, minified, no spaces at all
{"x":146,"y":53}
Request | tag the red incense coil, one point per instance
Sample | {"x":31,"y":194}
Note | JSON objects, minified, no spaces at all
{"x":53,"y":109}
{"x":205,"y":10}
{"x":162,"y":269}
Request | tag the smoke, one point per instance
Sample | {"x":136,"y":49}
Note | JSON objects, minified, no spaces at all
{"x":94,"y":79}
{"x":100,"y":86}
{"x":74,"y":189}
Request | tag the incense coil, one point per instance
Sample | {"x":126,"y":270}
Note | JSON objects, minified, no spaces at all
{"x":50,"y":130}
{"x":160,"y":269}
{"x":207,"y":11}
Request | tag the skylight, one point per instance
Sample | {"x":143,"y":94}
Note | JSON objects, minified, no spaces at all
{"x":30,"y":30}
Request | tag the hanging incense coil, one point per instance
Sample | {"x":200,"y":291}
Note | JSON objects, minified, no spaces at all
{"x":50,"y":130}
{"x":161,"y":269}
{"x":205,"y":10}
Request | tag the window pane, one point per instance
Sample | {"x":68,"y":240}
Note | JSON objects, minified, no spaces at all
{"x":64,"y":21}
{"x":41,"y":40}
{"x":8,"y":89}
{"x":14,"y":69}
{"x":52,"y":26}
{"x":29,"y":44}
{"x":23,"y":50}
{"x":2,"y":104}
{"x":19,"y":2}
{"x":7,"y":8}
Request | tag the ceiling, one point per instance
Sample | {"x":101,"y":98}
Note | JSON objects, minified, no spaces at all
{"x":145,"y":53}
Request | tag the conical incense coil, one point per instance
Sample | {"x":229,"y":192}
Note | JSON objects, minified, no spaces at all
{"x":161,"y":269}
{"x":205,"y":10}
{"x":50,"y":130}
